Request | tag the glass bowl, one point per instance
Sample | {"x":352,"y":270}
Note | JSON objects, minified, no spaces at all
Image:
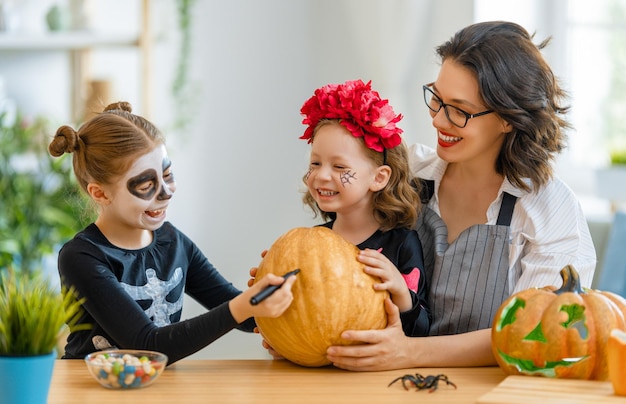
{"x":126,"y":368}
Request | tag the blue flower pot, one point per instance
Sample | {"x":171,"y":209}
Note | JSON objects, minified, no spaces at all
{"x":26,"y":379}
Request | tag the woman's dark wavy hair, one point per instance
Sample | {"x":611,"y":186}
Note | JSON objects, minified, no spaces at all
{"x":516,"y":82}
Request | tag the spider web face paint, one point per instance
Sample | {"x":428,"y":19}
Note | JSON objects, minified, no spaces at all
{"x":347,"y":177}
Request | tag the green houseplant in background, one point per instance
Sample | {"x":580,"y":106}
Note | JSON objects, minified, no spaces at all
{"x":33,"y":313}
{"x":184,"y":92}
{"x":40,"y":202}
{"x":618,"y":157}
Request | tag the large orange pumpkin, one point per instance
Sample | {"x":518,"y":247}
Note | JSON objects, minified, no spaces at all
{"x":331,"y":294}
{"x":557,"y":332}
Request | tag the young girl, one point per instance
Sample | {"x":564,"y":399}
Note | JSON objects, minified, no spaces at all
{"x":359,"y":178}
{"x":131,"y":266}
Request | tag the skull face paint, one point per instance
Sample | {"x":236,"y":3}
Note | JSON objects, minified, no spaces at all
{"x":140,"y":199}
{"x":147,"y":184}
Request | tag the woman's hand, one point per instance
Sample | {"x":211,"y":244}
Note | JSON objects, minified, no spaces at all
{"x":378,"y":265}
{"x":382,"y":350}
{"x":389,"y":348}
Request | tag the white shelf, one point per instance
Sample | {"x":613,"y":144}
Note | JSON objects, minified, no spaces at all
{"x":78,"y":45}
{"x":65,"y":41}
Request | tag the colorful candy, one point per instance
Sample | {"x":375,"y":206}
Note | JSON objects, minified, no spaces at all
{"x":126,"y":371}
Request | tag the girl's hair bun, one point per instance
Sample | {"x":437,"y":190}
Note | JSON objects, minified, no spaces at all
{"x":120,"y":106}
{"x":65,"y":141}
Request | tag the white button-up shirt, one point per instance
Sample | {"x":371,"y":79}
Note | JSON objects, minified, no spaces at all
{"x":548,"y":229}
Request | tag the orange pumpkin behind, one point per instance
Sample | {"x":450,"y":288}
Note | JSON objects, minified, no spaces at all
{"x":616,"y":357}
{"x":332,"y":294}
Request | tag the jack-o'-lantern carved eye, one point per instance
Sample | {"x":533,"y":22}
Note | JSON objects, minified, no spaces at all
{"x":575,"y":319}
{"x":557,"y":332}
{"x":508,"y":311}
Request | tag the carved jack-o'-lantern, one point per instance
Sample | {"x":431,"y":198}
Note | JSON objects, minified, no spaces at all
{"x":557,"y":332}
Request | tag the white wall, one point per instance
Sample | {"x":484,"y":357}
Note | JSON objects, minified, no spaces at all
{"x":240,"y":163}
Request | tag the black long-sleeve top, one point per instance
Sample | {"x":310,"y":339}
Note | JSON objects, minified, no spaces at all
{"x":134,"y":298}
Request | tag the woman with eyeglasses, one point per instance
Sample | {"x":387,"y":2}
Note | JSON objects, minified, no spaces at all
{"x":495,"y":220}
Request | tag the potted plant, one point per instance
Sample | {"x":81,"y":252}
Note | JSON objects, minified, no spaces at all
{"x":33,"y":313}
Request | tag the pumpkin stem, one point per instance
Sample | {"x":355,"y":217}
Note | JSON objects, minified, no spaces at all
{"x":571,"y":281}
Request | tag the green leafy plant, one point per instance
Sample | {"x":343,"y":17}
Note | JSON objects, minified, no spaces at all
{"x":184,"y":93}
{"x":33,"y":314}
{"x":39,"y":196}
{"x":618,"y":157}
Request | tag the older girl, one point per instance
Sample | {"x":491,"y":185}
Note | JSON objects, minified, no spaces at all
{"x":131,"y":266}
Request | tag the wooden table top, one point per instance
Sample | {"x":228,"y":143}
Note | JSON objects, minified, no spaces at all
{"x":269,"y":381}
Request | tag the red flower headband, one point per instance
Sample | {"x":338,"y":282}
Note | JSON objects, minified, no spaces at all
{"x":360,"y":110}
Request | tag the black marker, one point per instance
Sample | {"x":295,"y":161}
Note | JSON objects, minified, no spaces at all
{"x":267,"y":292}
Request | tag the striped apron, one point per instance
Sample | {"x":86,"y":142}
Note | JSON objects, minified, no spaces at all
{"x":468,"y":278}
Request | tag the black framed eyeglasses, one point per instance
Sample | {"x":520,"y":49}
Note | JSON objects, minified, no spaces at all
{"x":455,"y":115}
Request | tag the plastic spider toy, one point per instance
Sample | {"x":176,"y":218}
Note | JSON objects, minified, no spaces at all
{"x":423,"y":382}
